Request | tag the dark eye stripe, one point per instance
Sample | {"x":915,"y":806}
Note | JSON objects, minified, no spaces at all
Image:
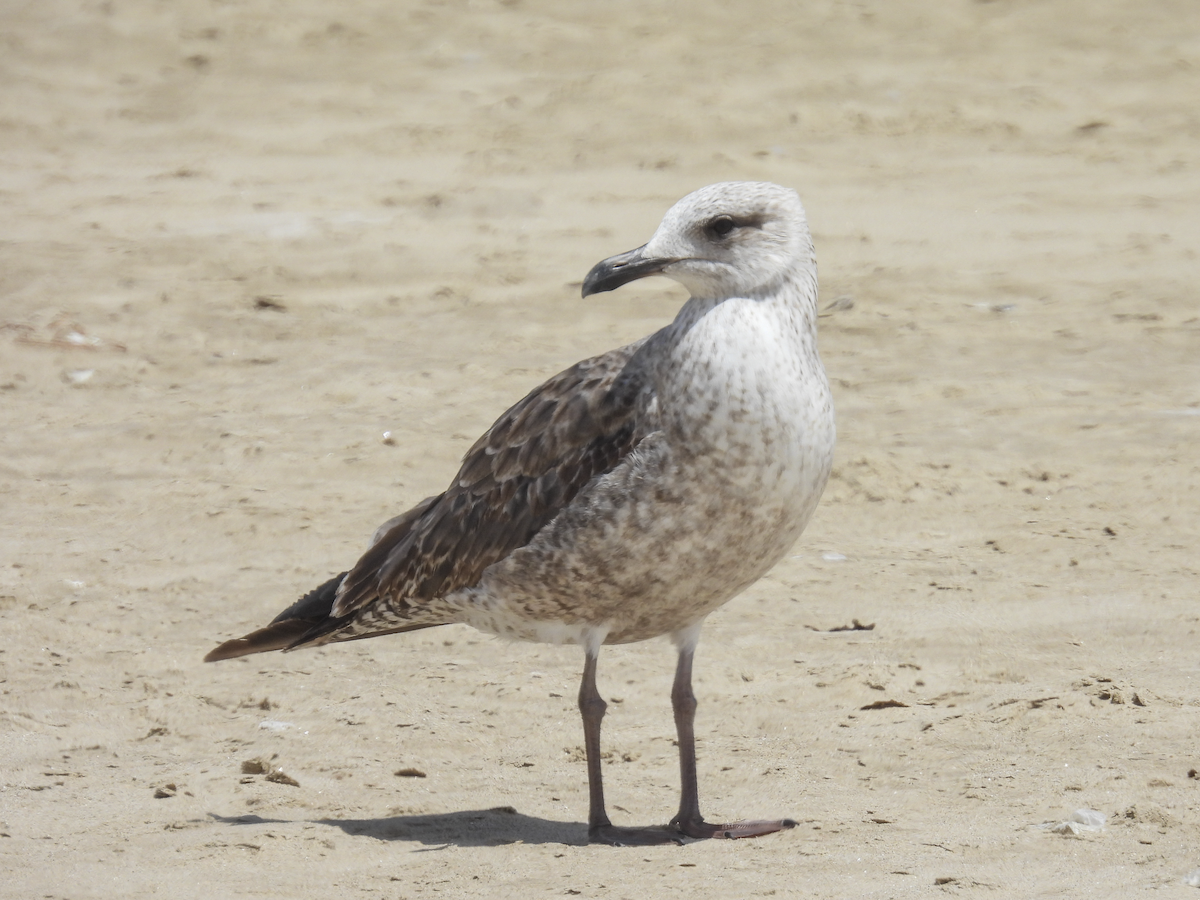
{"x":722,"y":226}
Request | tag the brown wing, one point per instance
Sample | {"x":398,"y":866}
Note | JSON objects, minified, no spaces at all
{"x":310,"y":613}
{"x":517,"y":477}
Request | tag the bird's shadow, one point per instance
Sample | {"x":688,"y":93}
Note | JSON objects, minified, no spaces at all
{"x":469,"y":828}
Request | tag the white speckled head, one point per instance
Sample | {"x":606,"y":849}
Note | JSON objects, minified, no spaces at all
{"x":735,"y":238}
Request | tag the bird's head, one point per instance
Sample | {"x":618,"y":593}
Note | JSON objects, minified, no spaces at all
{"x":733,"y":239}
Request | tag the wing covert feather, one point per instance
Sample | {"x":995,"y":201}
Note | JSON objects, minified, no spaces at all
{"x":513,"y":481}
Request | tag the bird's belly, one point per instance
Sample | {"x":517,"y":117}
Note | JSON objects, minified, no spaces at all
{"x":742,"y":521}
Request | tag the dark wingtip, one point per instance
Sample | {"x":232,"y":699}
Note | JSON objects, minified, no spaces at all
{"x":228,"y":650}
{"x":276,"y":636}
{"x":222,"y":651}
{"x":288,"y":628}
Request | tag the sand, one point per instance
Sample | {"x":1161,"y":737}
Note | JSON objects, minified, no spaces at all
{"x":243,"y":241}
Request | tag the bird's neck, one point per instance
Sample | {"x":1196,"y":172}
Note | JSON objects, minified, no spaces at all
{"x":744,"y":365}
{"x":791,"y":300}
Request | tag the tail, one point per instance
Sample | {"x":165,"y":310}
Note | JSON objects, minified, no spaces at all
{"x":307,"y":621}
{"x":291,"y":627}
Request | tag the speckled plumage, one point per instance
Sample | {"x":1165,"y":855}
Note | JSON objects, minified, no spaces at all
{"x":634,"y":493}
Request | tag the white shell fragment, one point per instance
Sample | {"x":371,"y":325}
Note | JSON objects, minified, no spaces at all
{"x":1082,"y":821}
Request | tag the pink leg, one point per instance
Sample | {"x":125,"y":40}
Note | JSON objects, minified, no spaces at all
{"x":600,"y":829}
{"x":688,"y":820}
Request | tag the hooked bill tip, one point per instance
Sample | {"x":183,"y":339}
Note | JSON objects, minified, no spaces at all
{"x":609,"y":274}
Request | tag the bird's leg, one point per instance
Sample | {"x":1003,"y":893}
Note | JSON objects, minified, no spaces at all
{"x":592,"y":707}
{"x":600,"y":829}
{"x":683,"y":702}
{"x":688,"y":821}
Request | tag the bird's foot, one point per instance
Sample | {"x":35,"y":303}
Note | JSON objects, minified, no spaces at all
{"x":698,"y":828}
{"x":615,"y":836}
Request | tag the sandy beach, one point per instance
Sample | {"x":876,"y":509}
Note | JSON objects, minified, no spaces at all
{"x":268,"y":269}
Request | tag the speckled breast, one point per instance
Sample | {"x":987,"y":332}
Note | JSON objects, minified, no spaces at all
{"x":700,"y":510}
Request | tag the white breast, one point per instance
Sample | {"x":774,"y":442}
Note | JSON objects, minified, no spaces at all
{"x":745,"y":393}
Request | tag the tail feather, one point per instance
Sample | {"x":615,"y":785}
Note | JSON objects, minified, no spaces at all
{"x":291,"y":627}
{"x":279,"y":636}
{"x":306,"y":621}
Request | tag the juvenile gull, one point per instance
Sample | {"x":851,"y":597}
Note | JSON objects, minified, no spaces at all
{"x":631,"y":495}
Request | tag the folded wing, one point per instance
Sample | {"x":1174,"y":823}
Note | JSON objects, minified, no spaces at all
{"x":516,"y":478}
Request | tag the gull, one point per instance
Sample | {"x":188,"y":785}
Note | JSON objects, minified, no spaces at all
{"x":631,"y":495}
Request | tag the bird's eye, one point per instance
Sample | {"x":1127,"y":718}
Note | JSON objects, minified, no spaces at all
{"x":721,"y":226}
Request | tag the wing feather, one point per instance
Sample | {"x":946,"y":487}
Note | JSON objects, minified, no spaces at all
{"x":514,"y":480}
